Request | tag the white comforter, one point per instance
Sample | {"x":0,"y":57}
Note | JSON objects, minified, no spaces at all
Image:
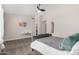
{"x":47,"y":50}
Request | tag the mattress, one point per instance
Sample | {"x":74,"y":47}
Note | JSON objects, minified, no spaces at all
{"x":49,"y":46}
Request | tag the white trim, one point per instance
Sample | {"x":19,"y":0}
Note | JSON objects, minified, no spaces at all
{"x":57,"y":35}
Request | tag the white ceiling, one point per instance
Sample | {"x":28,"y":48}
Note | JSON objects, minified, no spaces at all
{"x":25,"y":8}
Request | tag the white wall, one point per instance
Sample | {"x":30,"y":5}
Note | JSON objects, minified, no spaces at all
{"x":66,"y":18}
{"x":11,"y":25}
{"x":1,"y":24}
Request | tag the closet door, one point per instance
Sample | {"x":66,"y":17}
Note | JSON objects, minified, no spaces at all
{"x":43,"y":27}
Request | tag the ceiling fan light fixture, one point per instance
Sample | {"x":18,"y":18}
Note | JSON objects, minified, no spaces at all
{"x":38,"y":7}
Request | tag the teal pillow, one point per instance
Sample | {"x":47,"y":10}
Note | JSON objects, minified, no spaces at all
{"x":69,"y":41}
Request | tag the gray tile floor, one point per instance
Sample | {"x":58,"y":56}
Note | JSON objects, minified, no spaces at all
{"x":18,"y":47}
{"x":22,"y":46}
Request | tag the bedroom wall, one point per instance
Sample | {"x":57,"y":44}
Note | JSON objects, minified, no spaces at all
{"x":66,"y":18}
{"x":1,"y":23}
{"x":11,"y":25}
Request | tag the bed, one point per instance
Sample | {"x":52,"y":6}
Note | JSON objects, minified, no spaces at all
{"x":49,"y":46}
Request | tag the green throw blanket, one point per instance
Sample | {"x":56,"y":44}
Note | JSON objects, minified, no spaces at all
{"x":69,"y":41}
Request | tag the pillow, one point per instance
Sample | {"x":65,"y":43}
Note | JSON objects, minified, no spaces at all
{"x":75,"y":49}
{"x":69,"y":41}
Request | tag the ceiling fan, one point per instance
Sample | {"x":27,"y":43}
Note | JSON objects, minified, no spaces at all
{"x":38,"y":7}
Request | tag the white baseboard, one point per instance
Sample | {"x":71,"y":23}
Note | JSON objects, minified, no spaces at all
{"x":57,"y":35}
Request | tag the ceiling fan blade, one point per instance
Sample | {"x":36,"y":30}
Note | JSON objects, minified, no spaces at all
{"x":38,"y":7}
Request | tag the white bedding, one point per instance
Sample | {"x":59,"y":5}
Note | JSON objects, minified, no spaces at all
{"x":47,"y":50}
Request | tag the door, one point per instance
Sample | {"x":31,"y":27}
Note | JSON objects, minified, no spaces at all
{"x":43,"y":27}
